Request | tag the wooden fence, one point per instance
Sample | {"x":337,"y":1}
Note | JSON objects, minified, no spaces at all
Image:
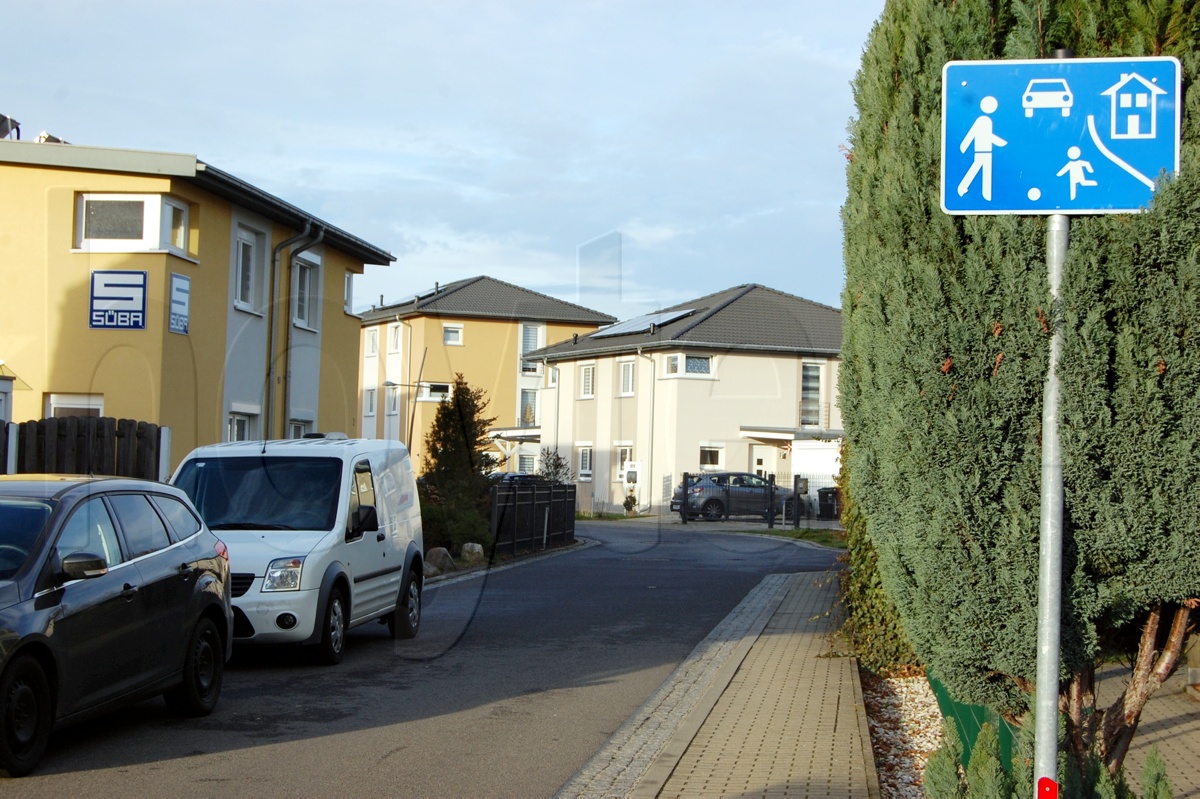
{"x":532,"y":516}
{"x":85,"y":445}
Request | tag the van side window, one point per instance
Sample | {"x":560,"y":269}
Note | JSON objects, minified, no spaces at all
{"x":362,"y":492}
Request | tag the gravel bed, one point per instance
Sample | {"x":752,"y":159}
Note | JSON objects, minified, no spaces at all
{"x":906,"y":728}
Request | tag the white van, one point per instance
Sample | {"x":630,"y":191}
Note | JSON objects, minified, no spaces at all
{"x":323,"y":534}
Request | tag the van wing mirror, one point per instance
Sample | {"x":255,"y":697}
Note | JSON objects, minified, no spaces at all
{"x":367,"y":521}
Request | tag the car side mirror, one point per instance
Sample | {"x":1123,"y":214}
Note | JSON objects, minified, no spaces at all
{"x":84,"y":566}
{"x":368,"y":520}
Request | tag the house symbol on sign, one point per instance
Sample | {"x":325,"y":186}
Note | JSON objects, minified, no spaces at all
{"x":1133,"y":101}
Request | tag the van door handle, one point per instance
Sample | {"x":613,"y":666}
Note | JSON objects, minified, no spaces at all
{"x":380,"y":537}
{"x":129,"y":591}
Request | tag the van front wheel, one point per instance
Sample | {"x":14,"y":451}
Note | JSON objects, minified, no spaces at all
{"x":405,"y":620}
{"x":333,"y":629}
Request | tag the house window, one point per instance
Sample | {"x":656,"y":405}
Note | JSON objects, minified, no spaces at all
{"x":525,"y":464}
{"x":372,"y":346}
{"x":528,"y":408}
{"x":394,"y":338}
{"x":392,"y":408}
{"x":680,"y":364}
{"x":585,"y":462}
{"x":587,"y":381}
{"x":175,"y":220}
{"x":308,"y":294}
{"x":624,"y":456}
{"x":348,"y":293}
{"x":710,"y":457}
{"x":552,"y":377}
{"x":247,"y":268}
{"x":239,"y":427}
{"x":434,"y":392}
{"x":452,"y":335}
{"x":58,"y":405}
{"x":297,"y":428}
{"x":531,"y":337}
{"x":131,"y":223}
{"x":369,"y":402}
{"x":810,"y":394}
{"x":626,"y":368}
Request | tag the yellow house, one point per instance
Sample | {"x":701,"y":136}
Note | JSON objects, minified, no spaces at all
{"x":479,"y":327}
{"x":156,"y":287}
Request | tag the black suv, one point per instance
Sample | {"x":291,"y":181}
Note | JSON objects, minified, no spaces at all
{"x":111,"y":590}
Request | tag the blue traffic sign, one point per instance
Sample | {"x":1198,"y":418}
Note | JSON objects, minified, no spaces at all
{"x":1067,"y":136}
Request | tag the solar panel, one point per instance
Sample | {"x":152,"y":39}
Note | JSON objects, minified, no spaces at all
{"x":640,"y":324}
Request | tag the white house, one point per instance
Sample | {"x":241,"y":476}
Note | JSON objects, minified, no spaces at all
{"x":741,"y":380}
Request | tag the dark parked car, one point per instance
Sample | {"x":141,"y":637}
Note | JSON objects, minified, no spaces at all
{"x":111,"y":590}
{"x":709,"y":495}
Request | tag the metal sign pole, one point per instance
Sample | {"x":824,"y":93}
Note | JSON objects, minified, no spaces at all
{"x":1058,"y":227}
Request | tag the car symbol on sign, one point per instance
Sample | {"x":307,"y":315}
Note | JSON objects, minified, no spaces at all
{"x":1047,"y":93}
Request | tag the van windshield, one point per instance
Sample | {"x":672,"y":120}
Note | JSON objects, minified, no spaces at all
{"x":261,"y":493}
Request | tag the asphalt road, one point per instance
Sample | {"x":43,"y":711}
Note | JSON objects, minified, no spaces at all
{"x":519,"y":675}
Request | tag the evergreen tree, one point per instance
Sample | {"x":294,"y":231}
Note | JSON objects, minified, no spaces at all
{"x":457,"y":444}
{"x":946,"y":328}
{"x":986,"y":778}
{"x":943,"y":777}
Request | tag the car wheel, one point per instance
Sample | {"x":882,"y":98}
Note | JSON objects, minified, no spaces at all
{"x":405,"y":621}
{"x":712,"y":510}
{"x":203,"y":673}
{"x":28,"y":716}
{"x":333,"y":630}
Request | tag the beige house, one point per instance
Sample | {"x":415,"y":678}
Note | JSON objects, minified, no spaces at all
{"x":153,"y":286}
{"x":481,"y":328}
{"x":741,"y":380}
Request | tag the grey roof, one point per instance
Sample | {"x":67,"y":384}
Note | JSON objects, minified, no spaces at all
{"x":749,"y":317}
{"x":488,"y":297}
{"x":189,"y":167}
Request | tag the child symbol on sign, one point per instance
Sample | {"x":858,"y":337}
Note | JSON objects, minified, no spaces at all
{"x":1075,"y":169}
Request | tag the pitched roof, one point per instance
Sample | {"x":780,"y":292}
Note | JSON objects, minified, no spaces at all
{"x":749,"y":317}
{"x":189,"y":167}
{"x":487,"y":297}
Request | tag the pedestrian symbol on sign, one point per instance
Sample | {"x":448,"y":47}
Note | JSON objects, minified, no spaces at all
{"x":980,"y":135}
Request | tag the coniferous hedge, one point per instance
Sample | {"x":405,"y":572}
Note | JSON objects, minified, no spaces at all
{"x":947,"y":323}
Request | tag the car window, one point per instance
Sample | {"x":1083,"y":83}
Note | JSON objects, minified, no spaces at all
{"x":755,"y":481}
{"x":182,"y":523}
{"x":90,"y":529}
{"x":21,"y":521}
{"x":144,"y":530}
{"x":718,"y":479}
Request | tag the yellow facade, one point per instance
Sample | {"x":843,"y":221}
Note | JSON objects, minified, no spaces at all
{"x":488,"y":358}
{"x":173,"y":379}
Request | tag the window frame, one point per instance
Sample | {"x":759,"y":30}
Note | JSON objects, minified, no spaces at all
{"x":452,"y":334}
{"x":587,"y":381}
{"x":87,"y":403}
{"x":584,"y":461}
{"x":538,"y":330}
{"x":395,"y":338}
{"x":675,"y":366}
{"x":371,"y":345}
{"x":369,"y":403}
{"x":158,"y":218}
{"x":523,"y":393}
{"x":718,"y":450}
{"x":239,"y":422}
{"x":425,"y":392}
{"x":248,"y":270}
{"x":621,"y":448}
{"x":391,"y":400}
{"x":626,"y":374}
{"x":306,"y":294}
{"x":813,"y":402}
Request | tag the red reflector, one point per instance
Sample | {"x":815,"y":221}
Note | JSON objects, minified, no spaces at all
{"x":1047,"y":788}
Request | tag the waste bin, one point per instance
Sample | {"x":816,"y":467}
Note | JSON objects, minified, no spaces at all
{"x":827,"y":504}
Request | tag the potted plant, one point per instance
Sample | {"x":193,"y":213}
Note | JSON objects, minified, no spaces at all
{"x":630,"y":503}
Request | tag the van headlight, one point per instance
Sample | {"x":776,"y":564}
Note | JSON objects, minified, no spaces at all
{"x":283,"y":575}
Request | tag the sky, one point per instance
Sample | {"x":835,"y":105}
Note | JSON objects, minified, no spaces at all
{"x":626,"y":155}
